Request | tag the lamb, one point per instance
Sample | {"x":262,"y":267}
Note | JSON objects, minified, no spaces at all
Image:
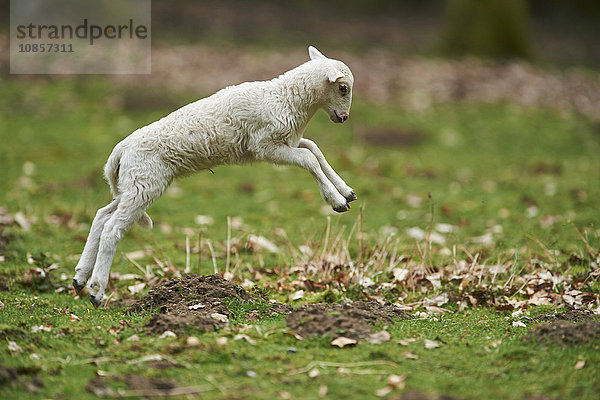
{"x":252,"y":121}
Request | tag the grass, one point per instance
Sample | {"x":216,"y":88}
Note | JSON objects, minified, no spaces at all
{"x":527,"y":178}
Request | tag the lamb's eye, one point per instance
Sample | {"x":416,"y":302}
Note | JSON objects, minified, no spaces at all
{"x":344,"y":89}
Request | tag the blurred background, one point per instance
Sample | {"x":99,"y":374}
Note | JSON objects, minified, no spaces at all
{"x":562,"y":32}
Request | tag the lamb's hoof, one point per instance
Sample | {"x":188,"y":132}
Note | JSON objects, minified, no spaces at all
{"x":95,"y":301}
{"x":78,"y":288}
{"x":342,"y":209}
{"x":351,"y":197}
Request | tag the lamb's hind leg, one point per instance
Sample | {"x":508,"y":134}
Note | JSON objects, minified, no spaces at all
{"x":113,"y":231}
{"x":88,"y":256}
{"x":132,"y":205}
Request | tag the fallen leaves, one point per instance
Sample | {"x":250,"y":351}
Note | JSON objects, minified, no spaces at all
{"x":431,"y":344}
{"x":115,"y":330}
{"x":343,"y":342}
{"x":246,"y":338}
{"x":393,"y":382}
{"x":14,"y":348}
{"x":379,"y":337}
{"x":410,"y":356}
{"x":137,"y":288}
{"x":41,"y":328}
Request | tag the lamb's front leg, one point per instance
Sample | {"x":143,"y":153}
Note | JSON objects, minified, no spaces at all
{"x":304,"y":158}
{"x":329,"y":172}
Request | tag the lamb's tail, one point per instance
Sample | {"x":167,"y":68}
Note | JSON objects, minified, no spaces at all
{"x":111,"y":172}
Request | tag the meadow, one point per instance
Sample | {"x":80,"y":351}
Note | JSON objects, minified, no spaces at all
{"x":472,"y":217}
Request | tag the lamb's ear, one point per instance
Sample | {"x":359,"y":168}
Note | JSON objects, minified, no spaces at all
{"x":314,"y":53}
{"x":333,"y":74}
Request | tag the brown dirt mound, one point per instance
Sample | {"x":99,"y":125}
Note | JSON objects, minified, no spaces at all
{"x":566,"y":333}
{"x":191,"y":290}
{"x":193,"y":301}
{"x":352,"y":320}
{"x":569,"y":315}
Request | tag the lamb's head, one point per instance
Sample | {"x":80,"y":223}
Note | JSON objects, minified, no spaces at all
{"x":337,"y":81}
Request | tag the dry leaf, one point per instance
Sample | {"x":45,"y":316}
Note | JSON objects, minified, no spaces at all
{"x":14,"y":348}
{"x":431,"y":344}
{"x":580,"y":364}
{"x":379,"y":337}
{"x":133,"y":338}
{"x":258,"y":243}
{"x":137,"y":288}
{"x":167,"y":334}
{"x":518,"y":324}
{"x":400,"y":274}
{"x":245,"y":337}
{"x":343,"y":342}
{"x":43,"y":328}
{"x":74,"y":317}
{"x":410,"y":356}
{"x":313,"y":373}
{"x":124,"y":277}
{"x":150,"y":357}
{"x":297,"y":295}
{"x":114,"y":331}
{"x":323,"y":390}
{"x":384,"y":391}
{"x":393,"y":382}
{"x":198,"y":306}
{"x":436,"y":310}
{"x":22,"y":221}
{"x":405,"y":342}
{"x":396,"y":381}
{"x":219,"y":317}
{"x":192,"y":341}
{"x":284,"y":395}
{"x":221,"y":341}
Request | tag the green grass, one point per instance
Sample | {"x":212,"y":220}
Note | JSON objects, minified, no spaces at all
{"x":484,"y":165}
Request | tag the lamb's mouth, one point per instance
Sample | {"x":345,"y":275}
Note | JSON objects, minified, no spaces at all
{"x":336,"y":118}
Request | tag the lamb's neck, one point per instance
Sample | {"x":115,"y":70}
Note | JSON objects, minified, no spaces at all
{"x":300,"y":95}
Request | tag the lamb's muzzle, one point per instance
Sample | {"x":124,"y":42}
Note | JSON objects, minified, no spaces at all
{"x":340,"y":117}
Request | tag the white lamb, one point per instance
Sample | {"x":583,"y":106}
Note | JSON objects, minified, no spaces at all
{"x":253,"y":121}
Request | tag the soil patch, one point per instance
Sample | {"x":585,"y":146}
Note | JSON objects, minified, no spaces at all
{"x":566,"y":333}
{"x":137,"y":383}
{"x":569,"y":315}
{"x":353,"y":321}
{"x":194,"y":301}
{"x":10,"y":374}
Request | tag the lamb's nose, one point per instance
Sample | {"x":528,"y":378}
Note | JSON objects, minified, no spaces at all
{"x":344,"y":118}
